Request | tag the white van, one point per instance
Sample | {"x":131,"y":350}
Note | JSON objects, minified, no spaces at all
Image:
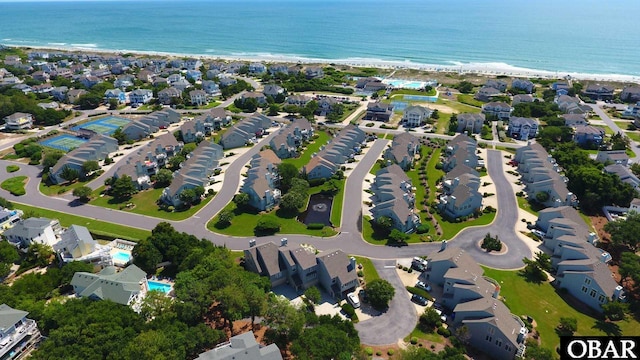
{"x":353,"y":299}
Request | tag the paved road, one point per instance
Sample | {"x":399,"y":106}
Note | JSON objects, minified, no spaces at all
{"x":616,"y":129}
{"x":398,"y":321}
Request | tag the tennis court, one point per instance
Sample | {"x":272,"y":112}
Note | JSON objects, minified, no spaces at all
{"x":65,"y":143}
{"x":105,"y":126}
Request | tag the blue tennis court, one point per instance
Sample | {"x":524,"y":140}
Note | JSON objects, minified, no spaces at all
{"x":65,"y":142}
{"x":105,"y":126}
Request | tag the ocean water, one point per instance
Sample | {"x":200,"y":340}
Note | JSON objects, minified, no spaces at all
{"x":586,"y":36}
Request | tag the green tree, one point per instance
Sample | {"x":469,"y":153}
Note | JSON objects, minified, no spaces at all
{"x":8,"y":253}
{"x":6,"y":204}
{"x":242,"y":200}
{"x":69,"y":174}
{"x":83,"y":193}
{"x":89,"y":166}
{"x":175,"y":162}
{"x":537,"y":352}
{"x":542,"y":197}
{"x":256,"y":301}
{"x":267,"y":226}
{"x":430,"y":320}
{"x":122,"y":188}
{"x":273,"y":110}
{"x":50,"y":160}
{"x":232,"y":304}
{"x":567,"y":326}
{"x":187,"y":196}
{"x":533,"y":272}
{"x":323,"y":342}
{"x":629,"y":267}
{"x":465,"y":87}
{"x":490,"y":243}
{"x":543,"y":261}
{"x":614,"y":310}
{"x":398,"y":237}
{"x":120,"y":136}
{"x":292,"y":201}
{"x":146,"y":255}
{"x":113,"y":104}
{"x":313,"y":294}
{"x":287,"y":173}
{"x":379,"y":293}
{"x":285,"y":322}
{"x":625,"y":231}
{"x":39,"y":255}
{"x":384,"y":223}
{"x":224,"y":218}
{"x":163,"y":178}
{"x":89,"y":101}
{"x":453,"y":124}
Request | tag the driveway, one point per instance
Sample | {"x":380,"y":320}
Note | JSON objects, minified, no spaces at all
{"x":398,"y":321}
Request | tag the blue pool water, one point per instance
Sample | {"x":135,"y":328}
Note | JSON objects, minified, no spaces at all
{"x":121,"y":257}
{"x":399,"y":105}
{"x":158,"y":286}
{"x":63,"y":142}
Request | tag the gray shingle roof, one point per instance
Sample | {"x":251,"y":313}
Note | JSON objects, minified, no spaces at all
{"x":10,"y":316}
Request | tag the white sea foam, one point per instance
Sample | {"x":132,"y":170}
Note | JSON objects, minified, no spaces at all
{"x":85,"y":46}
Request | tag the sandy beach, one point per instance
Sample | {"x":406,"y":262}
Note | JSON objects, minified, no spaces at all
{"x":488,"y":69}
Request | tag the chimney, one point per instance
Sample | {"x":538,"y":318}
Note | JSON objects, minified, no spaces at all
{"x":252,"y":242}
{"x":352,"y":263}
{"x":443,"y":245}
{"x":522,"y":334}
{"x":617,"y":292}
{"x":283,"y":242}
{"x":592,"y":238}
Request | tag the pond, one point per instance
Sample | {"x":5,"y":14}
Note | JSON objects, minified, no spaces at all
{"x":318,"y":211}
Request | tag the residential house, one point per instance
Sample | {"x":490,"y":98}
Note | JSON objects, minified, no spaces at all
{"x":613,"y":156}
{"x":379,"y":111}
{"x":501,"y":110}
{"x":126,"y":287}
{"x":218,"y":65}
{"x":194,"y":75}
{"x":454,"y":178}
{"x":523,"y":84}
{"x":587,"y":135}
{"x":262,"y":181}
{"x":325,"y":105}
{"x":77,"y":244}
{"x":234,"y":67}
{"x":523,"y":128}
{"x":579,"y":266}
{"x":160,"y":81}
{"x":49,"y":105}
{"x":97,"y":148}
{"x":192,"y":64}
{"x":460,"y":150}
{"x":540,"y":174}
{"x":217,"y":117}
{"x":181,"y":84}
{"x":574,"y":120}
{"x":227,"y":81}
{"x":8,"y":218}
{"x":341,"y":148}
{"x":259,"y":97}
{"x":123,"y":81}
{"x":394,"y":198}
{"x":24,"y":88}
{"x":522,"y":99}
{"x":278,"y":68}
{"x":167,"y":96}
{"x":370,"y":84}
{"x":244,"y":131}
{"x":18,"y":334}
{"x":42,"y":88}
{"x":147,"y":160}
{"x":486,"y":93}
{"x":212,"y":74}
{"x":62,"y":73}
{"x":561,"y":88}
{"x":403,"y":150}
{"x":599,"y":92}
{"x":635,"y":205}
{"x":461,"y":202}
{"x":571,"y":105}
{"x":416,"y":115}
{"x":101,"y":73}
{"x":115,"y":94}
{"x":90,"y":81}
{"x":630,"y":94}
{"x":34,"y":230}
{"x":211,"y":88}
{"x":313,"y":72}
{"x":285,"y":144}
{"x":471,"y":123}
{"x":496,"y":84}
{"x":298,"y":100}
{"x":473,"y":298}
{"x":257,"y":68}
{"x":198,"y":97}
{"x":194,"y":172}
{"x":631,"y":110}
{"x":624,"y":173}
{"x":40,"y":76}
{"x":242,"y":347}
{"x":140,"y":96}
{"x":301,"y":268}
{"x":192,"y":131}
{"x":18,"y":121}
{"x":59,"y":93}
{"x":273,"y":90}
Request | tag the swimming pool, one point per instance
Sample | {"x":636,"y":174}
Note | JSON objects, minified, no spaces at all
{"x":405,"y":84}
{"x":121,"y":257}
{"x":158,"y":286}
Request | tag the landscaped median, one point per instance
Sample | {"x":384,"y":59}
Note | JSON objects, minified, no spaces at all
{"x":312,"y":148}
{"x":96,"y":227}
{"x":15,"y":185}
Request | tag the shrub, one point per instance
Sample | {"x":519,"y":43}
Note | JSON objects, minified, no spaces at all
{"x":390,"y":352}
{"x":360,"y":273}
{"x":378,"y":353}
{"x":12,"y":168}
{"x":315,"y":226}
{"x":369,"y":124}
{"x":423,"y":228}
{"x":267,"y":226}
{"x":15,"y":185}
{"x":410,"y":270}
{"x":444,"y":332}
{"x":368,"y":351}
{"x":414,"y":340}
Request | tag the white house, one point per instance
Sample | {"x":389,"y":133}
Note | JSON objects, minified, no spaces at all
{"x":33,"y":231}
{"x":416,"y":115}
{"x":18,"y":121}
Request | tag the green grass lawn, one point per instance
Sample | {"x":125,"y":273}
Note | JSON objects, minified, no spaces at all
{"x":545,"y":305}
{"x":244,"y":223}
{"x":210,"y":105}
{"x":469,"y":100}
{"x":458,"y":107}
{"x":431,"y":337}
{"x":15,"y":185}
{"x":12,"y":168}
{"x":623,"y":124}
{"x":431,"y":92}
{"x":633,"y":135}
{"x":374,"y":169}
{"x":450,"y":229}
{"x":95,"y":226}
{"x":348,"y":110}
{"x":234,"y":109}
{"x":524,"y":204}
{"x":323,"y":139}
{"x":53,"y":190}
{"x":370,"y":272}
{"x":145,"y":204}
{"x":607,"y":130}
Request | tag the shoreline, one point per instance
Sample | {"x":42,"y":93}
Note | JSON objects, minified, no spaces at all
{"x":486,"y":69}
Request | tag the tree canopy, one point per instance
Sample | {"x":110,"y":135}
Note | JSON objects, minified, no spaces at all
{"x":379,"y":293}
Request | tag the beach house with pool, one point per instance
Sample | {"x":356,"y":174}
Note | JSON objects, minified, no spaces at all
{"x":125,"y":287}
{"x":97,"y":148}
{"x":18,"y":334}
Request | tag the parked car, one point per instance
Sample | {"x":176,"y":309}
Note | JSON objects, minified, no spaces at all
{"x":352,"y":298}
{"x":424,"y":286}
{"x":442,"y":316}
{"x":419,"y":300}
